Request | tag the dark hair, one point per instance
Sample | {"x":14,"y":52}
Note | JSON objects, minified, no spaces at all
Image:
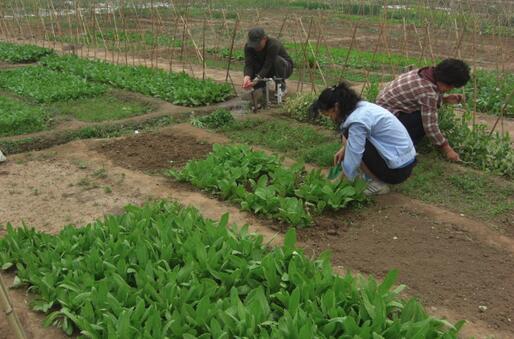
{"x":452,"y":72}
{"x":341,"y":94}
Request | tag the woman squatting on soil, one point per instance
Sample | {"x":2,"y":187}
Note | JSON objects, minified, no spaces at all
{"x":374,"y":140}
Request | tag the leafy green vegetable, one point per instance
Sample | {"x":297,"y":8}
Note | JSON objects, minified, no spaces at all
{"x":19,"y":118}
{"x":44,"y":85}
{"x":259,"y":183}
{"x":217,"y":119}
{"x":163,"y":271}
{"x":15,"y":53}
{"x":476,"y":146}
{"x":177,"y":88}
{"x":493,"y":89}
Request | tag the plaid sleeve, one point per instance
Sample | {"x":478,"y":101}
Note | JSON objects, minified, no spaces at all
{"x":430,"y":119}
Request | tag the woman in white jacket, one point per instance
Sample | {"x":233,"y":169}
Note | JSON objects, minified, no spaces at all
{"x":376,"y":141}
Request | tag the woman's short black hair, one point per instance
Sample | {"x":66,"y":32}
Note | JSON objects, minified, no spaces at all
{"x":453,"y":72}
{"x":342,"y":94}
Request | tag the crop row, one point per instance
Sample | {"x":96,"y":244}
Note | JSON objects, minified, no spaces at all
{"x":163,"y":271}
{"x":261,"y":184}
{"x":15,"y":53}
{"x":45,"y":85}
{"x":177,"y":88}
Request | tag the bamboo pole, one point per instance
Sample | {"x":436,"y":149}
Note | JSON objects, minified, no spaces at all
{"x":282,"y":27}
{"x":345,"y":65}
{"x":10,"y":313}
{"x":308,"y":45}
{"x":373,"y":57}
{"x":236,"y":26}
{"x":203,"y":46}
{"x":405,"y":49}
{"x":508,"y":99}
{"x":307,"y":36}
{"x":429,"y":41}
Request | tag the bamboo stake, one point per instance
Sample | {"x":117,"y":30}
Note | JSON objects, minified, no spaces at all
{"x":429,"y":41}
{"x":203,"y":47}
{"x":236,"y":26}
{"x":308,"y":45}
{"x":405,"y":49}
{"x":345,"y":65}
{"x":421,"y":47}
{"x":198,"y":53}
{"x":474,"y":77}
{"x":77,"y":31}
{"x":282,"y":27}
{"x":10,"y":313}
{"x":508,"y":99}
{"x":182,"y":45}
{"x":373,"y":56}
{"x":172,"y":54}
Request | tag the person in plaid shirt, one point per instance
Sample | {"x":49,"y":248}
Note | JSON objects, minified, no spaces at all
{"x":415,"y":96}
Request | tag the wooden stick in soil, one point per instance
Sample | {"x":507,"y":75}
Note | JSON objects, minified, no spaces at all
{"x":124,"y":26}
{"x":282,"y":27}
{"x":421,"y":47}
{"x":77,"y":29}
{"x":405,"y":49}
{"x":203,"y":46}
{"x":345,"y":65}
{"x":329,"y":51}
{"x":236,"y":26}
{"x":429,"y":41}
{"x":10,"y":313}
{"x":197,"y":50}
{"x":373,"y":56}
{"x":46,"y":39}
{"x":117,"y":39}
{"x":474,"y":73}
{"x":28,"y":23}
{"x":307,"y":44}
{"x":508,"y":99}
{"x":174,"y":29}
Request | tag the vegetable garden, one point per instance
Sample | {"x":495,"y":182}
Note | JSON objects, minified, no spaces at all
{"x":180,"y":214}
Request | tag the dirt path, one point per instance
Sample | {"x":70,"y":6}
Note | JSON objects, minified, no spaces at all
{"x":452,"y":263}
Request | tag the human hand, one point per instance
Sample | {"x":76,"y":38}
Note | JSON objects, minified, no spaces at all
{"x":450,"y":154}
{"x":247,"y":82}
{"x":339,"y":157}
{"x":455,"y":99}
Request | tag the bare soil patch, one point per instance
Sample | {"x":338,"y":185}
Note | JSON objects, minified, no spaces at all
{"x":153,"y":151}
{"x":443,"y":258}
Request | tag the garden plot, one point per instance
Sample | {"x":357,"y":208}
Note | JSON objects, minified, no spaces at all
{"x":343,"y":228}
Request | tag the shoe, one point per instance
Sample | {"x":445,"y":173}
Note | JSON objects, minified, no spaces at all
{"x":376,"y":187}
{"x":2,"y":157}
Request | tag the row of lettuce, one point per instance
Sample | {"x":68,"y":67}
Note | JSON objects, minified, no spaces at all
{"x":65,"y":78}
{"x":492,"y":87}
{"x":163,"y":271}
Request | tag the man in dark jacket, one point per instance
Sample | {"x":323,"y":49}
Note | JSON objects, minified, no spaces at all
{"x":265,"y":57}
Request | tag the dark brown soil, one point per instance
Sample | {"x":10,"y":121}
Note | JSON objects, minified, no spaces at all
{"x":441,"y":262}
{"x":154,"y":152}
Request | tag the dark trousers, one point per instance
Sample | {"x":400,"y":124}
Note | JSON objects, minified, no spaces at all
{"x":414,"y":125}
{"x":281,"y":69}
{"x":377,"y":165}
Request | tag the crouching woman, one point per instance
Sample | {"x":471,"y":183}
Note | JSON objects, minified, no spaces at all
{"x":374,"y":140}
